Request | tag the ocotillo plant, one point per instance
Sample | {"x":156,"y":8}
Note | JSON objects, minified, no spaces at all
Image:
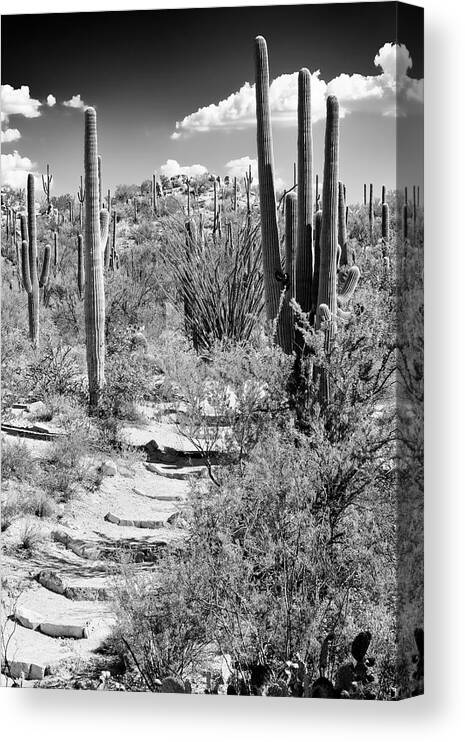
{"x":304,"y":253}
{"x":269,"y":222}
{"x":290,"y":273}
{"x":94,"y":305}
{"x":341,"y":222}
{"x":327,"y":282}
{"x":47,"y":186}
{"x":80,"y":266}
{"x":31,"y":280}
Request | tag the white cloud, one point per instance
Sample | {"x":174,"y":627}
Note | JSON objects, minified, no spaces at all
{"x":75,"y":102}
{"x":172,"y":168}
{"x":238,"y":168}
{"x":390,"y":92}
{"x":10,"y":135}
{"x":18,"y":101}
{"x":51,"y":100}
{"x":14,"y":169}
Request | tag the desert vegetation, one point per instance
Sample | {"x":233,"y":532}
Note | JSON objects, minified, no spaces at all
{"x":278,"y":335}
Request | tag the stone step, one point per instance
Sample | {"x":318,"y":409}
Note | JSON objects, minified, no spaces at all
{"x":177,"y":472}
{"x":77,"y":588}
{"x":54,"y":615}
{"x":31,"y":654}
{"x":149,"y":524}
{"x":141,"y":547}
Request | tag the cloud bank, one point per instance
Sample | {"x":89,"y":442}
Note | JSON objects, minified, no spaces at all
{"x":391,"y":92}
{"x":10,"y":135}
{"x":238,"y":168}
{"x":51,"y":100}
{"x":172,"y":168}
{"x":15,"y":168}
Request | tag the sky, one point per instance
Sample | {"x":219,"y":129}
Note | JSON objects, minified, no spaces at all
{"x":174,"y":90}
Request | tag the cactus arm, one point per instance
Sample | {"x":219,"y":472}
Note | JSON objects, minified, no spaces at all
{"x":45,"y":272}
{"x":304,"y":256}
{"x":353,"y":277}
{"x":104,"y":219}
{"x":80,"y":270}
{"x":25,"y":267}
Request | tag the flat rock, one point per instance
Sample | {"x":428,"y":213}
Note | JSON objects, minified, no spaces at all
{"x":30,"y":653}
{"x":136,"y":523}
{"x":171,"y":472}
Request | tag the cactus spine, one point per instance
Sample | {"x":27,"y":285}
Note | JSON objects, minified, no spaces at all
{"x":304,"y":256}
{"x":31,"y":281}
{"x":94,"y":287}
{"x":290,"y":275}
{"x":327,"y":283}
{"x":269,"y":223}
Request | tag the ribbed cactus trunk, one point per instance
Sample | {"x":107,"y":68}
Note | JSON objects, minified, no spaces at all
{"x":154,"y":195}
{"x":94,"y":304}
{"x":364,"y":194}
{"x":371,"y":212}
{"x":290,"y":277}
{"x":33,"y":294}
{"x":268,"y":216}
{"x":316,"y":264}
{"x":385,"y":222}
{"x":304,"y":254}
{"x":327,"y":285}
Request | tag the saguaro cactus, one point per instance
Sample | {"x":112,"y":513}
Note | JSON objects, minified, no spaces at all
{"x":81,"y":194}
{"x":99,"y":161}
{"x":94,"y":304}
{"x":385,"y":222}
{"x":269,"y":222}
{"x":290,"y":274}
{"x":31,"y":280}
{"x":304,"y":255}
{"x":154,"y":195}
{"x":371,"y":212}
{"x":47,"y":186}
{"x":327,"y":283}
{"x":316,"y":264}
{"x":55,"y":249}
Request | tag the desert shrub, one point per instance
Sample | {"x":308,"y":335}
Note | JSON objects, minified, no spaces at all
{"x":42,"y":506}
{"x":225,"y":399}
{"x":66,"y":470}
{"x":18,"y":461}
{"x":54,"y":371}
{"x":29,"y":536}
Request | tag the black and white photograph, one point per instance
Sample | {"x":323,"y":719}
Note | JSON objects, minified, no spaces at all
{"x":212,"y":310}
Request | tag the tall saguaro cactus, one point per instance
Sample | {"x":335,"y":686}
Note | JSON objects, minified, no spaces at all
{"x":327,"y":284}
{"x":32,"y":282}
{"x":269,"y":221}
{"x":154,"y":195}
{"x":304,"y":256}
{"x":290,"y":274}
{"x":94,"y":304}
